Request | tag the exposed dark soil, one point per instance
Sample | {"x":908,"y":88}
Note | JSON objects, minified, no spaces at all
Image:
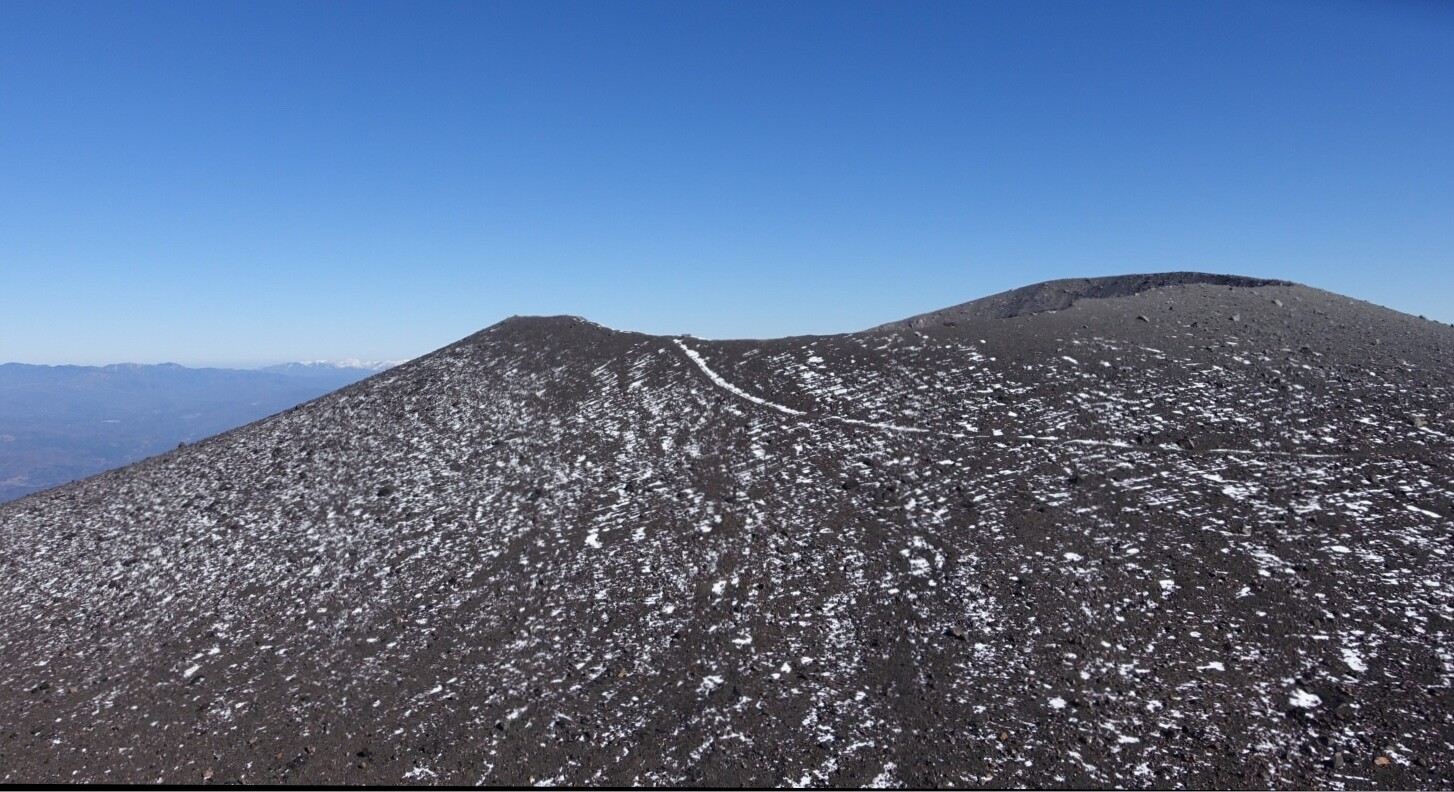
{"x":1191,"y":534}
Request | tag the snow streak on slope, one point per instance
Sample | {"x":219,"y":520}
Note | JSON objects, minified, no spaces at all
{"x":727,"y":386}
{"x":891,"y":427}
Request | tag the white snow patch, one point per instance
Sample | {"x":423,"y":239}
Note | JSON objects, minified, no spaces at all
{"x":1304,"y":699}
{"x":1237,"y":493}
{"x":1354,"y":660}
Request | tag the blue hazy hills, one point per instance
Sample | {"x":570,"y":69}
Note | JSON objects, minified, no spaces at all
{"x":62,"y":423}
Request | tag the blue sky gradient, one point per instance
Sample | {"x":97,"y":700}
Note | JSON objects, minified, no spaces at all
{"x":239,"y":184}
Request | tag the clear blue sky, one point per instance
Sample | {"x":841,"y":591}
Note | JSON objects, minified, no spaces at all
{"x":213,"y":183}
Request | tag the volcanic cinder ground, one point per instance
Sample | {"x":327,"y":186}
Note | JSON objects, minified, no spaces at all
{"x":1153,"y":531}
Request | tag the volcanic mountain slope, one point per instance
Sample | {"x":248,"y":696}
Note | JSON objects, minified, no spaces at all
{"x":1058,"y":295}
{"x":1194,"y":534}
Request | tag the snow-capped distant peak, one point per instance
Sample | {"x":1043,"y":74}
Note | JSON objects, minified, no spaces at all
{"x":332,"y":365}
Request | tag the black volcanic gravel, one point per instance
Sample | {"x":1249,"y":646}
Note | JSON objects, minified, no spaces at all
{"x":1190,"y":531}
{"x":1058,"y":295}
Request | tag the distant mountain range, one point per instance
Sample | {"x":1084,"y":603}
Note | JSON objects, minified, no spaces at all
{"x":328,"y":368}
{"x":61,"y":423}
{"x":1166,"y":531}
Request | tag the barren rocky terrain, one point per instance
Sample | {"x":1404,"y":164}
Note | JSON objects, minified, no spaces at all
{"x":1156,"y":531}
